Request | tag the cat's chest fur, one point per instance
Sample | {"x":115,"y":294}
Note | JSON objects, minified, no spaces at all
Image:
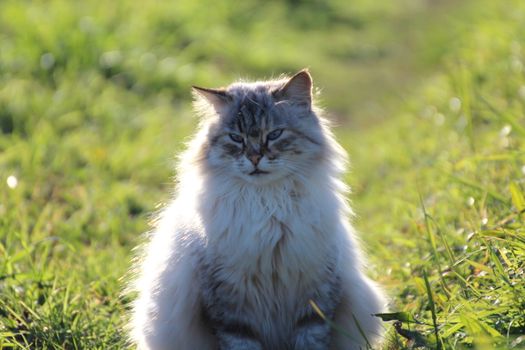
{"x":265,"y":247}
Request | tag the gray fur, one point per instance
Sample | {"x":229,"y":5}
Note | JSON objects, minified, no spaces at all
{"x":258,"y":229}
{"x":290,"y":327}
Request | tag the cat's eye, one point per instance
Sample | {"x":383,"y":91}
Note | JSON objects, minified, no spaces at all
{"x":237,"y":138}
{"x":274,"y":135}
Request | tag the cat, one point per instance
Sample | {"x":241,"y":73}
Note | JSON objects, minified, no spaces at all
{"x":257,"y":236}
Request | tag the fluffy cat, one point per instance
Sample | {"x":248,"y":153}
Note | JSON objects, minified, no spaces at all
{"x":258,"y":228}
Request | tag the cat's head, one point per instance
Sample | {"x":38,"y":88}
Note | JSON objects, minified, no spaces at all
{"x":262,"y":132}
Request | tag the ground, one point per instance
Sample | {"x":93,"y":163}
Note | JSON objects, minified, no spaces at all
{"x":428,"y":97}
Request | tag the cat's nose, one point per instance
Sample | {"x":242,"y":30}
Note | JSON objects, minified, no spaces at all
{"x":255,"y":158}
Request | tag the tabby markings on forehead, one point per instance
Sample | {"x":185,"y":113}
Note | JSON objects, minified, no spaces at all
{"x":250,"y":117}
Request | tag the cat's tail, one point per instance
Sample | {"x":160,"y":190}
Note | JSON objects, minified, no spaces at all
{"x":358,"y":328}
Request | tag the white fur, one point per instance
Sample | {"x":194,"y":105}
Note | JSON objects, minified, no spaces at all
{"x":238,"y":221}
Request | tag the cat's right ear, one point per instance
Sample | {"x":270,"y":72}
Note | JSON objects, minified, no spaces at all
{"x":298,"y":89}
{"x":217,"y":98}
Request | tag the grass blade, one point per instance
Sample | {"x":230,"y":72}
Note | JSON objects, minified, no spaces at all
{"x":432,"y":306}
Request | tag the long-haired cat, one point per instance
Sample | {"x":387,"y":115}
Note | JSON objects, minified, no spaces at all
{"x":257,"y":232}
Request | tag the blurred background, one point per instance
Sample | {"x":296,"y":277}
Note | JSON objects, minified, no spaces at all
{"x":427,"y":96}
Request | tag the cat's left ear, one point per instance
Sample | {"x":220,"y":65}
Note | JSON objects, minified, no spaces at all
{"x":298,"y":89}
{"x":217,"y":98}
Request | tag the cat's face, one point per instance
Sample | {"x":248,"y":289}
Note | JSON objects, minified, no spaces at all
{"x":264,"y":132}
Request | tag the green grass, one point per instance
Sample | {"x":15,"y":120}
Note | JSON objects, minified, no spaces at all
{"x":429,"y":101}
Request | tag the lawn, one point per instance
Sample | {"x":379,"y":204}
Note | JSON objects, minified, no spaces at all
{"x":428,"y":97}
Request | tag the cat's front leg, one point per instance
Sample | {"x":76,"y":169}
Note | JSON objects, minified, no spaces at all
{"x":236,"y":336}
{"x":311,"y":333}
{"x":233,"y":341}
{"x":230,"y":331}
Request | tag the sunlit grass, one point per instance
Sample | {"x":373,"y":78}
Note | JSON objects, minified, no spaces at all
{"x":444,"y":198}
{"x":94,"y":104}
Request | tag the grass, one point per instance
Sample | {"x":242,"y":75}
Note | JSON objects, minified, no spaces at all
{"x":95,"y":102}
{"x":447,"y":202}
